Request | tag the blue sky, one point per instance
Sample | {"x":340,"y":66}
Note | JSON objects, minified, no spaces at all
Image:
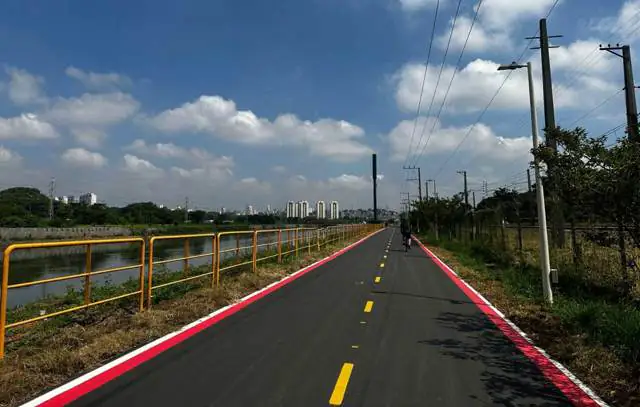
{"x":254,"y":102}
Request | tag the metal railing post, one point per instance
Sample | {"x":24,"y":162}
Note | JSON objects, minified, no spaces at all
{"x":141,"y":275}
{"x":213,"y":261}
{"x":279,"y":245}
{"x":3,"y":298}
{"x":296,"y":241}
{"x":254,"y":255}
{"x":87,"y":278}
{"x":217,"y":273}
{"x":185,"y":266}
{"x":150,"y":272}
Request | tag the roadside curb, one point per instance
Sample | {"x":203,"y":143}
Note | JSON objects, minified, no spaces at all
{"x":575,"y":390}
{"x":90,"y":381}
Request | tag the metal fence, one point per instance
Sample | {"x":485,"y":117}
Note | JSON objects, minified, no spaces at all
{"x":229,"y":251}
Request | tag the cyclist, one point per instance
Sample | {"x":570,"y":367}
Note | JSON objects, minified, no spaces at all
{"x":405,"y":230}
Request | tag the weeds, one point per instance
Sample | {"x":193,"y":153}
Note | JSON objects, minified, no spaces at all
{"x":49,"y":353}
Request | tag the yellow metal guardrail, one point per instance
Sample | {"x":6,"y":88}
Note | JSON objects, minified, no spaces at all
{"x":271,"y":243}
{"x":89,"y":244}
{"x":184,"y":259}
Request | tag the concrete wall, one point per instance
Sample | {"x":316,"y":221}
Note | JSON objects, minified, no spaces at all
{"x":10,"y":234}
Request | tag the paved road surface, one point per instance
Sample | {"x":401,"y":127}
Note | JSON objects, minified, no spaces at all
{"x":337,"y":336}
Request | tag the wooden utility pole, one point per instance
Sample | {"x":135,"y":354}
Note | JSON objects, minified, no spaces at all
{"x":629,"y":89}
{"x":557,"y":228}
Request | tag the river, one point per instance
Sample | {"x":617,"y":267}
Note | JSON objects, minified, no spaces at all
{"x":39,"y":264}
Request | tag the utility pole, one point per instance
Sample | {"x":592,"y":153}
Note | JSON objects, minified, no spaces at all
{"x":629,"y":89}
{"x":426,"y":189}
{"x":466,"y":191}
{"x":550,"y":125}
{"x":413,"y":167}
{"x":529,"y":179}
{"x":186,"y":209}
{"x":374,"y":165}
{"x":474,"y":200}
{"x":52,"y":192}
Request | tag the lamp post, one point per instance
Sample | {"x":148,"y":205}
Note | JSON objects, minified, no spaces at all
{"x":542,"y":216}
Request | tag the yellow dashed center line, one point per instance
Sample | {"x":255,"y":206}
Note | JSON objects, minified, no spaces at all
{"x":355,"y":346}
{"x":381,"y":264}
{"x":377,"y":280}
{"x":337,"y":397}
{"x":368,"y":306}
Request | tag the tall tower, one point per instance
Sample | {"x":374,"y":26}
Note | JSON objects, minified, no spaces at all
{"x":334,"y":210}
{"x":321,"y":210}
{"x":304,"y":209}
{"x":291,"y":209}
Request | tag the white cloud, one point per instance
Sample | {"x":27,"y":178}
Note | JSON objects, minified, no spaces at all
{"x":481,"y":142}
{"x":503,"y":14}
{"x":335,"y":139}
{"x":414,"y":5}
{"x":93,"y":109}
{"x":623,"y":24}
{"x":476,"y":83}
{"x":90,"y":137}
{"x":26,"y":126}
{"x":480,"y":39}
{"x":79,"y":157}
{"x":170,"y":150}
{"x":94,"y":80}
{"x":25,"y":88}
{"x":140,"y":167}
{"x":350,"y":182}
{"x":8,"y":157}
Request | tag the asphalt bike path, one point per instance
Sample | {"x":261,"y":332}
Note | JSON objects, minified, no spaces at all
{"x":376,"y":326}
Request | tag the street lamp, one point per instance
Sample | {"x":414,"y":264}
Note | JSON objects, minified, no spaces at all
{"x":542,"y":216}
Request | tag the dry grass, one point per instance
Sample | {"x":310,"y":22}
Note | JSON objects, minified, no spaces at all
{"x":611,"y":376}
{"x":46,"y":356}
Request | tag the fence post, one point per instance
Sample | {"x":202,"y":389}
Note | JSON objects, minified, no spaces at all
{"x":237,"y":245}
{"x":141,"y":275}
{"x":185,"y":266}
{"x":219,"y":243}
{"x":150,"y":273}
{"x":309,"y":240}
{"x":213,"y":261}
{"x":279,"y":245}
{"x":318,"y":238}
{"x":254,"y":251}
{"x":297,"y":231}
{"x":87,"y":278}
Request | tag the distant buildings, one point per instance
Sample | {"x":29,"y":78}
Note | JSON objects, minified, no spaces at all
{"x":302,"y":209}
{"x":89,"y":198}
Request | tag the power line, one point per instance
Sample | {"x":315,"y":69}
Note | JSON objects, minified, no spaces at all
{"x":604,"y":102}
{"x":424,"y":78}
{"x":484,"y":111}
{"x":435,"y":89}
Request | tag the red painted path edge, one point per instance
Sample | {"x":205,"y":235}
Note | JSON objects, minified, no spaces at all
{"x":579,"y":394}
{"x":91,"y":381}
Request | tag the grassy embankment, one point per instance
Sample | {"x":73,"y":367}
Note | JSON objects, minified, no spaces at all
{"x":49,"y":353}
{"x":591,"y":328}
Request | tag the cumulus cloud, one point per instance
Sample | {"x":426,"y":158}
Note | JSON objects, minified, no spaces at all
{"x":139,"y":166}
{"x":79,"y":157}
{"x":415,"y":5}
{"x":25,"y":88}
{"x":481,"y":142}
{"x":623,"y":24}
{"x":335,"y":139}
{"x":94,"y":80}
{"x":26,"y":126}
{"x":476,"y":83}
{"x":8,"y":157}
{"x":92,"y":109}
{"x":90,"y":137}
{"x":170,"y":150}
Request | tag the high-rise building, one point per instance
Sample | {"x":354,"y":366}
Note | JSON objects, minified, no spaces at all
{"x":304,"y":209}
{"x":89,"y":198}
{"x":291,"y":209}
{"x":334,"y":210}
{"x":250,"y":210}
{"x":321,"y":211}
{"x":268,"y":209}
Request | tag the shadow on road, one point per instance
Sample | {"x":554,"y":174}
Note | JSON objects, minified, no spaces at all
{"x":509,"y":378}
{"x":426,"y":297}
